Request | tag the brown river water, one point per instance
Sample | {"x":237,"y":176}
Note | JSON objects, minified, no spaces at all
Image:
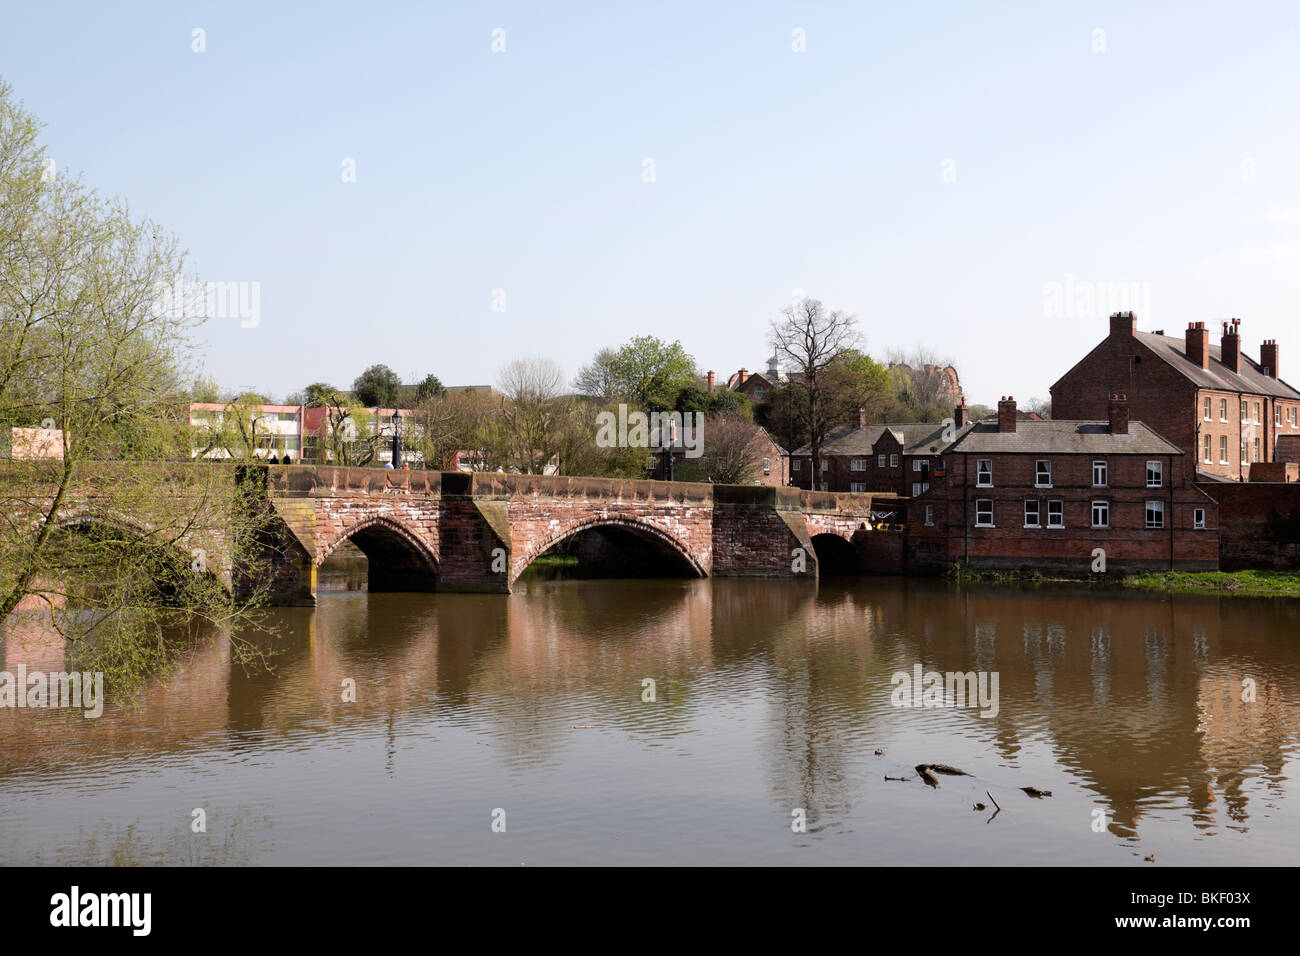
{"x":771,"y":700}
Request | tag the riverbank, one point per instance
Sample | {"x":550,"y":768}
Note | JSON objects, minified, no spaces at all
{"x":1240,"y":583}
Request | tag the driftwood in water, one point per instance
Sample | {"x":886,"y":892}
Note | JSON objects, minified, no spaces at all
{"x":925,"y":773}
{"x":888,"y":777}
{"x":945,"y":768}
{"x":1035,"y":792}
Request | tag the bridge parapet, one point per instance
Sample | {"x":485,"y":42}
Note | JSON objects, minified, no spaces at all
{"x":496,"y":485}
{"x":324,"y":481}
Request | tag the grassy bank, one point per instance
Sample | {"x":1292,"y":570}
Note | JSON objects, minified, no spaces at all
{"x":1244,"y":583}
{"x":1249,"y":583}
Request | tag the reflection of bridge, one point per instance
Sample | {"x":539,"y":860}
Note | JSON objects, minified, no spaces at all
{"x":478,"y":532}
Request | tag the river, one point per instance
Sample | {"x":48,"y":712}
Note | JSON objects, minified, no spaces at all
{"x":520,"y":730}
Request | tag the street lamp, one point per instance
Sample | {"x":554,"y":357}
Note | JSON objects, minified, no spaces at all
{"x":397,"y":438}
{"x":668,"y":450}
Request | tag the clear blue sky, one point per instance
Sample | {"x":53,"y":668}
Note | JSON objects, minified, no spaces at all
{"x":1170,"y":159}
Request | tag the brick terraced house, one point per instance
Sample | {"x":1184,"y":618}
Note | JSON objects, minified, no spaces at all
{"x":1024,"y":494}
{"x":901,"y":458}
{"x":1224,"y":410}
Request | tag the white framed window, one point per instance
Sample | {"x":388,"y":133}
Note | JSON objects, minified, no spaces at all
{"x":857,"y":464}
{"x":983,"y":512}
{"x":929,"y":515}
{"x":880,"y":461}
{"x":1256,"y":418}
{"x":1223,"y":409}
{"x":1100,"y":474}
{"x":1245,"y":412}
{"x":1031,"y":513}
{"x":920,"y":488}
{"x":1056,"y":514}
{"x":1209,"y":449}
{"x":767,"y":466}
{"x":1101,"y":514}
{"x":1198,"y":519}
{"x":984,"y":473}
{"x":1155,"y":474}
{"x":1043,"y":473}
{"x":1155,"y":514}
{"x":1223,"y":449}
{"x":1255,"y":451}
{"x":1206,"y":413}
{"x":893,"y":461}
{"x":1244,"y":446}
{"x":1277,"y":415}
{"x":858,"y":486}
{"x":918,"y":464}
{"x":798,"y":465}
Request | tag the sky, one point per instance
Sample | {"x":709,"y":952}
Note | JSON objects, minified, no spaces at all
{"x":984,"y":181}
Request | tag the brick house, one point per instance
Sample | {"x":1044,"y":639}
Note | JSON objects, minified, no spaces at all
{"x":770,"y":460}
{"x":901,"y":458}
{"x":1220,"y":407}
{"x":1021,"y":494}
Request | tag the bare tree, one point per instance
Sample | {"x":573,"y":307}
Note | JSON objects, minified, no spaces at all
{"x":531,"y":413}
{"x":808,"y":338}
{"x":732,"y":449}
{"x":598,"y":379}
{"x":925,"y":384}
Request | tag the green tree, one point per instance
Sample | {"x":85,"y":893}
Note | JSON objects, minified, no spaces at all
{"x":377,"y":386}
{"x":93,"y":353}
{"x":646,"y":372}
{"x":429,"y":387}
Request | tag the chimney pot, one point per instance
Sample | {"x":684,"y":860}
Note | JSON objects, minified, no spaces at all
{"x":1198,"y":344}
{"x":1007,"y":414}
{"x":1230,"y":346}
{"x":1123,"y":323}
{"x":959,"y":414}
{"x":1268,"y":357}
{"x":1118,"y":409}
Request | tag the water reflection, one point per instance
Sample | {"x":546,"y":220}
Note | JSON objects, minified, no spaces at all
{"x":769,"y":696}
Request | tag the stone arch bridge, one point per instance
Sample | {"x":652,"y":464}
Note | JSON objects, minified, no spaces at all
{"x":428,"y":530}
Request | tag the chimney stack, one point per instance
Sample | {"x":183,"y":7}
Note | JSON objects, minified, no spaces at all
{"x":744,"y":374}
{"x":1123,"y":323}
{"x":862,"y":418}
{"x":1118,"y":413}
{"x":959,"y":414}
{"x":1007,"y":414}
{"x":1268,"y":357}
{"x":1230,"y":349}
{"x":1198,"y":344}
{"x":713,"y":378}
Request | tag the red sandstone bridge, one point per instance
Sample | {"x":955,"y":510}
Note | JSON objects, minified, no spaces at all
{"x":450,"y":531}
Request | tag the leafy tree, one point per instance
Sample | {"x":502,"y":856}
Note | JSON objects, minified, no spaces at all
{"x":205,"y":390}
{"x":429,"y":387}
{"x":314,"y":395}
{"x":92,"y":352}
{"x":530,"y":412}
{"x":726,"y":402}
{"x":377,"y":386}
{"x":645,"y":372}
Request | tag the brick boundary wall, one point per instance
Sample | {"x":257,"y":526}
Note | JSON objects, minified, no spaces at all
{"x":1259,"y":525}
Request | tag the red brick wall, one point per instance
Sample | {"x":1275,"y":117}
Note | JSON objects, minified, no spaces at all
{"x":1259,"y":525}
{"x":1128,"y":544}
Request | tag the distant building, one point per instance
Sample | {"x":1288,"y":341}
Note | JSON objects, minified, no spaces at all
{"x":32,"y":443}
{"x":274,"y":429}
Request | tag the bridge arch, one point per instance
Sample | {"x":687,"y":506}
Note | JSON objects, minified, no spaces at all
{"x":190,"y":556}
{"x":835,"y":553}
{"x":616,"y":532}
{"x":397,"y":558}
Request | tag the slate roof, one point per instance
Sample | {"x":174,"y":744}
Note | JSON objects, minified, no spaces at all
{"x":1062,"y":437}
{"x":1251,"y":378}
{"x":917,"y":438}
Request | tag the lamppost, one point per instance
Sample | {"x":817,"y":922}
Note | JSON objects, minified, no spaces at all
{"x":397,"y":439}
{"x":668,"y":450}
